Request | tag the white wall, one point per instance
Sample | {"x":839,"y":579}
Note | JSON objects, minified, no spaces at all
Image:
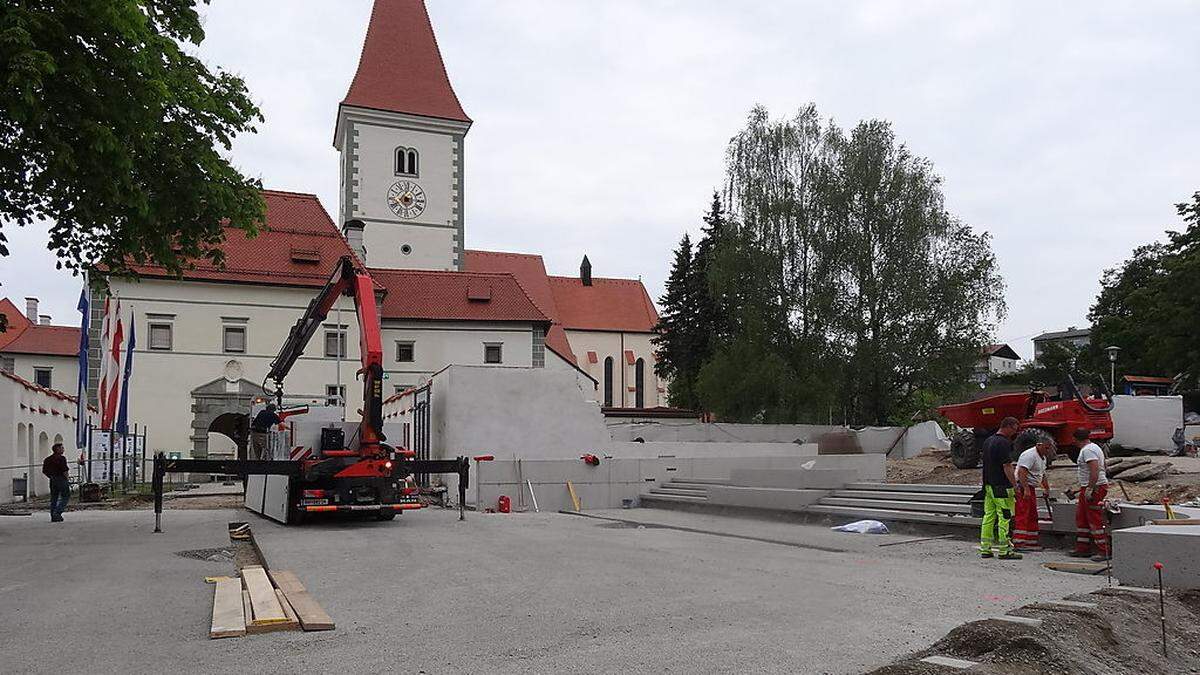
{"x":162,"y":381}
{"x":607,"y":344}
{"x":64,"y":370}
{"x":26,"y":434}
{"x":438,"y":344}
{"x":1146,"y":422}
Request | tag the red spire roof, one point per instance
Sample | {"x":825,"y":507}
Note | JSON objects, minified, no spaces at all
{"x":401,"y":68}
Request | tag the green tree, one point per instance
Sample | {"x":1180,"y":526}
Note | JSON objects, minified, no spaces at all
{"x":1150,"y":306}
{"x":849,"y":292}
{"x":114,"y":133}
{"x":677,"y":359}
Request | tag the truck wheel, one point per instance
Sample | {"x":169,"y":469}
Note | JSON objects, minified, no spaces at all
{"x":964,"y":451}
{"x":386,"y":514}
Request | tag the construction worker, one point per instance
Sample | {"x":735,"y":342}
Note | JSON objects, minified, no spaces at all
{"x":259,"y":443}
{"x":1089,"y":503}
{"x":1031,"y":472}
{"x":998,"y":498}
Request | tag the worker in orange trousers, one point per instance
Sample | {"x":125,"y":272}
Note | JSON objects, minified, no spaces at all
{"x":1089,"y":505}
{"x":1031,"y":473}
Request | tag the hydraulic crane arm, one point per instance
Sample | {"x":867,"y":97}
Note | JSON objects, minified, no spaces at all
{"x":347,"y":279}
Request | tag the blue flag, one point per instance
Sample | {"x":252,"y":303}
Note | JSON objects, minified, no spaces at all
{"x":81,"y":416}
{"x":123,"y":410}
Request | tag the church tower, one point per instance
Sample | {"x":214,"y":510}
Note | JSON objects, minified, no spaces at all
{"x":400,"y":132}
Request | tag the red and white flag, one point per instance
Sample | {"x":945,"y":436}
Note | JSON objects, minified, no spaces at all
{"x":112,"y":356}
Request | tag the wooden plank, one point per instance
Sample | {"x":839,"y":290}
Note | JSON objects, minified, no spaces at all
{"x":308,"y":611}
{"x":293,"y":622}
{"x":574,"y":497}
{"x":1176,"y":521}
{"x":247,"y":610}
{"x":286,"y":581}
{"x":262,"y":597}
{"x":228,"y":617}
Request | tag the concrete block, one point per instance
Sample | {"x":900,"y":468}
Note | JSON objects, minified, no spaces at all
{"x":1135,"y":515}
{"x":1177,"y":547}
{"x":946,"y":661}
{"x":1073,"y":604}
{"x":1022,"y":620}
{"x":777,"y":499}
{"x":872,"y":467}
{"x":1136,"y":589}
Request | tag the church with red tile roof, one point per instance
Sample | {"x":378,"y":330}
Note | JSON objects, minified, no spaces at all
{"x":206,"y":340}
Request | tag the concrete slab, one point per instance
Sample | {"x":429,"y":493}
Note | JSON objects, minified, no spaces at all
{"x":763,"y":498}
{"x":822,"y":479}
{"x":1177,"y":547}
{"x":946,"y":661}
{"x":1075,"y":604}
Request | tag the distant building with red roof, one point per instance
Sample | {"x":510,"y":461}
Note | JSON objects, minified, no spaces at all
{"x":36,"y":350}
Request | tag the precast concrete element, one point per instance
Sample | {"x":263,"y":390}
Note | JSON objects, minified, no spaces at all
{"x":1022,"y":620}
{"x":1073,"y":604}
{"x":774,"y":499}
{"x":1146,"y":422}
{"x":872,"y":440}
{"x":1136,"y":515}
{"x":717,"y":450}
{"x":1177,"y":547}
{"x":820,"y":479}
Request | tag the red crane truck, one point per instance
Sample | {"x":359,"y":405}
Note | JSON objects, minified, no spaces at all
{"x":366,"y":474}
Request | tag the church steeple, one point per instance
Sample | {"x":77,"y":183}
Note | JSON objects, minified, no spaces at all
{"x":401,"y":68}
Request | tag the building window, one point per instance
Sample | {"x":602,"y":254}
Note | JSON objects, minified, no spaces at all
{"x":639,"y":384}
{"x":404,"y":352}
{"x":608,"y":382}
{"x":493,"y":353}
{"x":160,"y":336}
{"x":234,"y":340}
{"x":406,"y":162}
{"x":335,"y":344}
{"x":335,"y":394}
{"x":41,"y":377}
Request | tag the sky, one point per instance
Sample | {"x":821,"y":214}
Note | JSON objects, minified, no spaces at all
{"x":1065,"y":130}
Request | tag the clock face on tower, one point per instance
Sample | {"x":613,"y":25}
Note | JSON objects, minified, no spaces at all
{"x":406,"y":199}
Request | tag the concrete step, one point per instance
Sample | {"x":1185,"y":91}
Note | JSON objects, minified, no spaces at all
{"x":897,"y":505}
{"x":905,"y":496}
{"x":689,"y":485}
{"x":851,"y":512}
{"x":649,"y":497}
{"x":915,"y":487}
{"x":684,"y":492}
{"x":701,"y":481}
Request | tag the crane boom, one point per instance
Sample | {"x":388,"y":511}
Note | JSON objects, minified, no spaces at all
{"x":347,"y":279}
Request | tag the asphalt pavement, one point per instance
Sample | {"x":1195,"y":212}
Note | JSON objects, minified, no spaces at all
{"x":669,"y":591}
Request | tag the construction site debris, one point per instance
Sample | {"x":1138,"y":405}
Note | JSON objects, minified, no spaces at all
{"x":1145,"y":473}
{"x":862,"y":527}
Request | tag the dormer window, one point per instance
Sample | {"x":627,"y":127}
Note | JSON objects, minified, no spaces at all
{"x":407,"y":162}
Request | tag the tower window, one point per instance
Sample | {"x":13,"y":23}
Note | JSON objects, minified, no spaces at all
{"x":407,"y":162}
{"x":608,"y":382}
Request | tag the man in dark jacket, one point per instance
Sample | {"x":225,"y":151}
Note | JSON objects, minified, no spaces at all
{"x":55,"y":468}
{"x":998,"y":497}
{"x":260,"y":427}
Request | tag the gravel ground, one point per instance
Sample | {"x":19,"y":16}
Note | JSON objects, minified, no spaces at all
{"x":520,"y":593}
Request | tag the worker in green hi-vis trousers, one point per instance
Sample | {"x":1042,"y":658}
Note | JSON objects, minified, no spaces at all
{"x":999,"y":500}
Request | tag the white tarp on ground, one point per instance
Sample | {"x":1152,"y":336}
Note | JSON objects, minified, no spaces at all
{"x":1146,"y":422}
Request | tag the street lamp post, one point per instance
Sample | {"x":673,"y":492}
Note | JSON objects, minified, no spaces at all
{"x":1112,"y":350}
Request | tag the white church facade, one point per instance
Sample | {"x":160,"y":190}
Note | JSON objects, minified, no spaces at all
{"x":205,"y":341}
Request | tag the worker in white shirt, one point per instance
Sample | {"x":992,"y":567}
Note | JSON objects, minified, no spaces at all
{"x":1031,"y":472}
{"x":1089,"y":504}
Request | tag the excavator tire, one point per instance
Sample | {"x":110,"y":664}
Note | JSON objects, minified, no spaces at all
{"x":964,"y":449}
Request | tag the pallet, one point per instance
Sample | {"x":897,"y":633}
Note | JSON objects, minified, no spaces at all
{"x":309,"y":613}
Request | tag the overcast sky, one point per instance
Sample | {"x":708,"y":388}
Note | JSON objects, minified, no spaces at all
{"x":1066,"y":130}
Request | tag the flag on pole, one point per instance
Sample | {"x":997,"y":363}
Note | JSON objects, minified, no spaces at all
{"x":105,"y":341}
{"x":81,"y":390}
{"x":114,"y":352}
{"x":123,"y":410}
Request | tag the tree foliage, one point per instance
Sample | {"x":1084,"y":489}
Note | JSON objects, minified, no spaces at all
{"x":1150,"y":305}
{"x":114,"y":133}
{"x":847,"y":290}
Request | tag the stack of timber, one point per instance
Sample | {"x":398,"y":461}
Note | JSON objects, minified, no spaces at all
{"x":262,"y":603}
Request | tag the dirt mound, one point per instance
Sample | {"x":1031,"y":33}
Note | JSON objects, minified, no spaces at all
{"x":1121,"y":635}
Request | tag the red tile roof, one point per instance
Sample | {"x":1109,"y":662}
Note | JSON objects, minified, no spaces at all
{"x":530,"y":272}
{"x":401,"y":68}
{"x":608,"y":305}
{"x":295,"y":222}
{"x":53,"y":393}
{"x":25,"y":337}
{"x":435,"y":295}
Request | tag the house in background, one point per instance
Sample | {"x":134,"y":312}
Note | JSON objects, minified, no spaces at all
{"x":1145,"y":385}
{"x":1075,"y":338}
{"x":37,"y":351}
{"x":998,"y":359}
